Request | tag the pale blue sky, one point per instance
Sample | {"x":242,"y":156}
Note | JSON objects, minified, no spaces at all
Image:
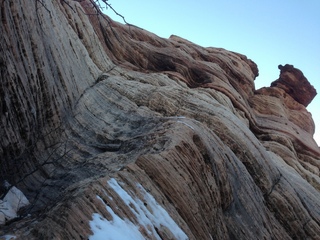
{"x":268,"y":32}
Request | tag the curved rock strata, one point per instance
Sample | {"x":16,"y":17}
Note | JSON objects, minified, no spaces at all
{"x":107,"y":126}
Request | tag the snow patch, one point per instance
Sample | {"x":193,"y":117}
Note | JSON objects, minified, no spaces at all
{"x":11,"y":203}
{"x":7,"y":237}
{"x":175,"y":117}
{"x":113,"y":230}
{"x":149,"y":214}
{"x":158,"y":215}
{"x":188,"y":125}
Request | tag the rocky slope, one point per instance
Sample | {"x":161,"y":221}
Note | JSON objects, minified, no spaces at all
{"x":108,"y":127}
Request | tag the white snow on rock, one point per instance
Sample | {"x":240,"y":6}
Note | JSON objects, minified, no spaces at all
{"x":115,"y":229}
{"x":150,"y":215}
{"x":7,"y":237}
{"x":11,"y":203}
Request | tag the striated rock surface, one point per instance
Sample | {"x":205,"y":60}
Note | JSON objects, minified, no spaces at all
{"x":108,"y":129}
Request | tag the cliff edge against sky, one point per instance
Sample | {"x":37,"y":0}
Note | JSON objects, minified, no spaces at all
{"x":108,"y":127}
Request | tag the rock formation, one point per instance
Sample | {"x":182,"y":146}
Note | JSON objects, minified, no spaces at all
{"x":295,"y":84}
{"x":107,"y":128}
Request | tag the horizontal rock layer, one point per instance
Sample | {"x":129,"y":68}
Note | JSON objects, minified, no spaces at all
{"x":108,"y":120}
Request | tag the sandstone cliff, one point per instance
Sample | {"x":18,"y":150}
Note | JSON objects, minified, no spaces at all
{"x":108,"y":127}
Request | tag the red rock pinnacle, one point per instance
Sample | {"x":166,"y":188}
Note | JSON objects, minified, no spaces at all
{"x":295,"y":84}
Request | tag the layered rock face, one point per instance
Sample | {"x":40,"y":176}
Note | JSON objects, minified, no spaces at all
{"x":110,"y":130}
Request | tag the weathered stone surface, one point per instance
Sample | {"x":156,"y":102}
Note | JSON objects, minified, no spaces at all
{"x":295,"y":84}
{"x":110,"y":121}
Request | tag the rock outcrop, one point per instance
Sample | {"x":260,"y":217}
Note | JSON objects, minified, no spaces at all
{"x":108,"y":129}
{"x":295,"y":84}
